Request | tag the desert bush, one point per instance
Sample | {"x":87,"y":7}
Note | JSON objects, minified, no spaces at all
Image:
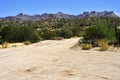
{"x":79,"y":34}
{"x":48,"y":34}
{"x":19,"y":34}
{"x":66,"y":33}
{"x":86,"y":46}
{"x":103,"y":44}
{"x":98,"y":30}
{"x":27,"y":42}
{"x":5,"y":45}
{"x":35,"y":37}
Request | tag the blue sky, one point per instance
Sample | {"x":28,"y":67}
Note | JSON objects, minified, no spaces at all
{"x":13,"y":7}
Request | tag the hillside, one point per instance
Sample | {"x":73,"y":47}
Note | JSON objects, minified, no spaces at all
{"x":55,"y":60}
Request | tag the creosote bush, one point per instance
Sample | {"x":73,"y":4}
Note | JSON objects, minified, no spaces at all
{"x":103,"y":44}
{"x":86,"y":46}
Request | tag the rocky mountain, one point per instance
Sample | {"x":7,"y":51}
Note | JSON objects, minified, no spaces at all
{"x":25,"y":17}
{"x":98,"y":14}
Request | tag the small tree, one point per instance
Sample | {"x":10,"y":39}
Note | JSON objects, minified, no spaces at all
{"x":66,"y":33}
{"x":19,"y":34}
{"x":47,"y":34}
{"x":98,"y":30}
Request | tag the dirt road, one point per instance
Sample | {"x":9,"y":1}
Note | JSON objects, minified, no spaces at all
{"x":54,"y":60}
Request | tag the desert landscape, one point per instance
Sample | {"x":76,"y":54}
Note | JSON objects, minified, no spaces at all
{"x":58,"y":60}
{"x":59,"y":40}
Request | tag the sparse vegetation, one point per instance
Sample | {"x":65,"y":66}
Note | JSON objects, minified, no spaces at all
{"x":92,"y":29}
{"x":18,"y":34}
{"x":103,"y":44}
{"x":5,"y":45}
{"x":86,"y":46}
{"x":66,"y":33}
{"x":27,"y":42}
{"x":98,"y":30}
{"x":99,"y":34}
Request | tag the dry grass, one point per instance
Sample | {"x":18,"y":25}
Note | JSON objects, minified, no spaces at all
{"x":86,"y":46}
{"x":10,"y":45}
{"x":5,"y":45}
{"x":103,"y":44}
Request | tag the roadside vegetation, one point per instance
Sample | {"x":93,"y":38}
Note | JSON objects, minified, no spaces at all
{"x":91,"y":29}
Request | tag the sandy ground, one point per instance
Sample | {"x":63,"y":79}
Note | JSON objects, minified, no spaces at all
{"x":55,"y":60}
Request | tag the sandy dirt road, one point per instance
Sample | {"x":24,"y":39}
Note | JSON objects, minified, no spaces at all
{"x":54,"y":60}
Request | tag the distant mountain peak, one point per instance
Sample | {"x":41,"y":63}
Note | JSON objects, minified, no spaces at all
{"x":98,"y":14}
{"x":59,"y":12}
{"x":25,"y":17}
{"x":20,"y":14}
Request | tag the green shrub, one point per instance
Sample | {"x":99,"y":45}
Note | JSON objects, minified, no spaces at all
{"x":79,"y":33}
{"x":48,"y":34}
{"x":98,"y":30}
{"x":19,"y":34}
{"x":66,"y":33}
{"x":35,"y":37}
{"x":86,"y":46}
